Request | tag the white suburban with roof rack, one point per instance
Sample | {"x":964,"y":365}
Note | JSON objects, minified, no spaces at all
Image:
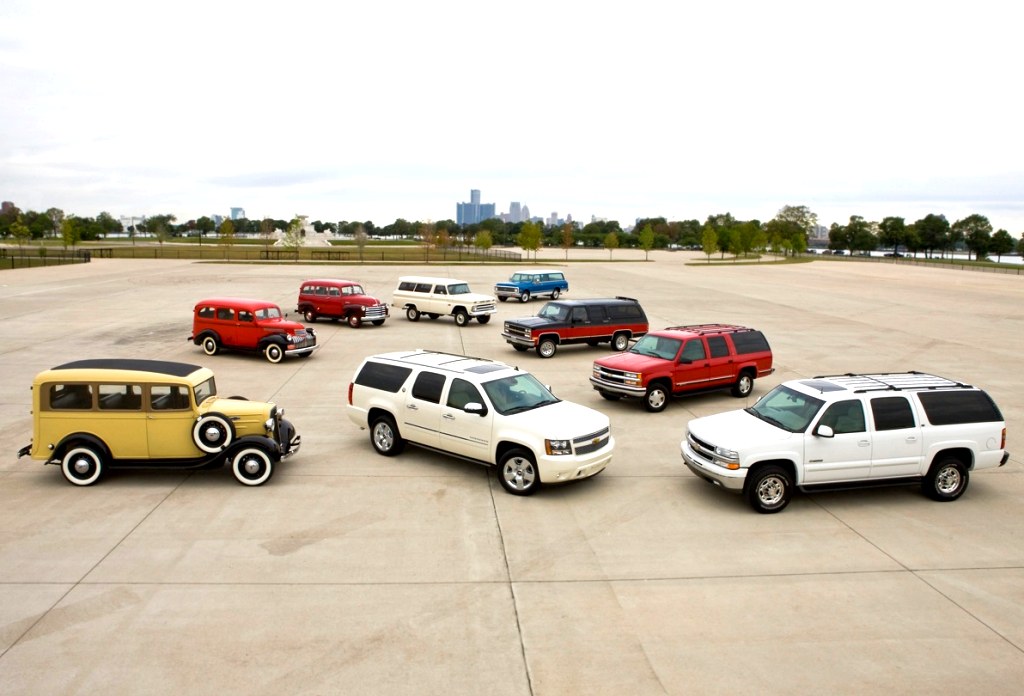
{"x":850,"y":430}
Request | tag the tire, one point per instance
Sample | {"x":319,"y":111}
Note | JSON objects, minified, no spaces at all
{"x":744,"y":385}
{"x":354,"y":320}
{"x":252,"y":466}
{"x":210,"y":345}
{"x":554,"y":294}
{"x":82,"y":465}
{"x":384,"y":436}
{"x":519,"y":348}
{"x":620,"y":342}
{"x":461,"y":318}
{"x":502,"y":299}
{"x":517,"y":472}
{"x":212,"y":433}
{"x":433,"y":315}
{"x":946,"y":480}
{"x":309,"y":315}
{"x":546,"y":348}
{"x":610,"y":396}
{"x":484,"y":318}
{"x":273,"y":352}
{"x":525,"y":297}
{"x":377,"y":322}
{"x":412,"y":314}
{"x":769,"y":490}
{"x":656,"y":398}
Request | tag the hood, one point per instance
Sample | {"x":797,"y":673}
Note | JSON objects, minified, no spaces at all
{"x":736,"y":430}
{"x":530,"y":322}
{"x":242,"y":408}
{"x":473,"y":297}
{"x":364,"y":300}
{"x":286,"y":325}
{"x":632,"y":362}
{"x":564,"y":419}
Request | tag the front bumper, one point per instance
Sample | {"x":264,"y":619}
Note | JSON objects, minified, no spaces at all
{"x":616,"y":388}
{"x":732,"y":480}
{"x":301,"y":350}
{"x":510,"y":291}
{"x":518,"y":340}
{"x":562,"y":469}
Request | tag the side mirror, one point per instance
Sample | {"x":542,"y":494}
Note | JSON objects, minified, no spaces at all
{"x":824,"y":431}
{"x":685,"y":361}
{"x":475,"y":408}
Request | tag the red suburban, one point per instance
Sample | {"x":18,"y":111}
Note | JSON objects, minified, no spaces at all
{"x":682,"y":360}
{"x":254,"y":325}
{"x":339,"y":299}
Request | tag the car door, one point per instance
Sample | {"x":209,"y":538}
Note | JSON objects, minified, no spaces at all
{"x":421,"y":417}
{"x":691,"y":368}
{"x":846,"y":455}
{"x":897,"y":447}
{"x":120,"y":406}
{"x":227,"y":327}
{"x":169,"y":421}
{"x":721,"y":362}
{"x":464,"y":433}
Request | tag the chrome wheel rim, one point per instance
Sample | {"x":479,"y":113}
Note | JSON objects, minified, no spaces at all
{"x":519,"y":473}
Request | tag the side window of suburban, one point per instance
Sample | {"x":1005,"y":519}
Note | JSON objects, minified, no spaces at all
{"x":120,"y":397}
{"x":407,"y":286}
{"x":718,"y":347}
{"x":948,"y":408}
{"x":225,"y":314}
{"x":462,"y":393}
{"x":423,"y":287}
{"x":579,"y":314}
{"x":206,"y":312}
{"x":749,"y":342}
{"x":844,"y":417}
{"x":243,"y":315}
{"x":428,"y":387}
{"x":892,"y":413}
{"x":597,"y":313}
{"x":64,"y":397}
{"x":168,"y":397}
{"x":389,"y":378}
{"x":693,"y":350}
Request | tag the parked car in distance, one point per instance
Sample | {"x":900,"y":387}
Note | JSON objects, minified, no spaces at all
{"x":249,"y":325}
{"x":437,"y":297}
{"x":850,"y":430}
{"x":682,"y":360}
{"x":91,"y":415}
{"x":332,"y":298}
{"x":525,"y":285}
{"x":479,"y":410}
{"x":614,"y":320}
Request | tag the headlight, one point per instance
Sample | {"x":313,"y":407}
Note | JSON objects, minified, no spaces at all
{"x":269,"y":424}
{"x":528,"y":333}
{"x":729,"y":458}
{"x":633,"y":379}
{"x":558,"y":446}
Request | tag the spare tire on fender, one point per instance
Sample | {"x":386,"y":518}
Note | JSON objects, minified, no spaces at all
{"x":213,"y":432}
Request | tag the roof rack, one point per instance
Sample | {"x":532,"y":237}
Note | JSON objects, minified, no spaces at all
{"x":623,"y":297}
{"x":707,"y":328}
{"x":893,"y":381}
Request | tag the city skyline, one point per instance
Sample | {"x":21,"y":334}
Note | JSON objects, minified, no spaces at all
{"x":862,"y":110}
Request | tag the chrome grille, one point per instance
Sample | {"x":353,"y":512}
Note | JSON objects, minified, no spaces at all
{"x":609,"y":375}
{"x":592,"y":442}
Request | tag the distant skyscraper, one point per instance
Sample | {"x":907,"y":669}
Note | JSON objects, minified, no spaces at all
{"x":515,"y":212}
{"x":237,"y":213}
{"x":474,"y":211}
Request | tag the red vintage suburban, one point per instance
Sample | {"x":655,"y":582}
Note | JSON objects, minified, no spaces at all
{"x":238,"y":323}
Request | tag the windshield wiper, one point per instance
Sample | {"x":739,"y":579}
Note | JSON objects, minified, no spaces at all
{"x":766,"y":418}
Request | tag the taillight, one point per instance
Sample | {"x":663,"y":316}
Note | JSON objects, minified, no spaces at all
{"x":351,"y":386}
{"x":1002,"y":445}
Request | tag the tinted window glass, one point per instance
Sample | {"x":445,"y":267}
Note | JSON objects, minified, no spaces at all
{"x":844,"y":417}
{"x":423,"y":287}
{"x":462,"y":393}
{"x":120,"y":397}
{"x":596,"y":313}
{"x":693,"y":350}
{"x":406,"y":285}
{"x":945,"y":408}
{"x":892,"y":413}
{"x":718,"y":347}
{"x":750,"y":342}
{"x":70,"y":396}
{"x":165,"y":397}
{"x":428,"y":387}
{"x":630,"y":311}
{"x":225,"y":313}
{"x":388,"y":378}
{"x":206,"y":312}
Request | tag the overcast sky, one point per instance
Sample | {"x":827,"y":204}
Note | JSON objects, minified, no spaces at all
{"x":396,"y":109}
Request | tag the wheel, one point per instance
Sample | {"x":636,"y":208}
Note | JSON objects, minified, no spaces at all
{"x":252,"y":466}
{"x":461,"y":318}
{"x":384,"y":436}
{"x":554,"y":294}
{"x":525,"y":297}
{"x":769,"y":490}
{"x":610,"y":396}
{"x":484,"y":318}
{"x":946,"y":480}
{"x":377,"y":322}
{"x":412,"y":314}
{"x":620,"y":342}
{"x":210,"y":345}
{"x":309,"y":315}
{"x":82,"y":465}
{"x":519,"y":348}
{"x":546,"y":348}
{"x":354,"y":320}
{"x":502,"y":298}
{"x":656,"y":398}
{"x":433,"y":315}
{"x":518,"y":473}
{"x":273,"y":353}
{"x":212,"y":433}
{"x":744,"y":385}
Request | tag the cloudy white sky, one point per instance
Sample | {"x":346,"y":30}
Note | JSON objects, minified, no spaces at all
{"x":396,"y":109}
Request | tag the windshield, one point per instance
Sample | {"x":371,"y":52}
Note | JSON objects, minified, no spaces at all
{"x":657,"y":347}
{"x":205,"y":390}
{"x":787,"y":409}
{"x":517,"y":277}
{"x":268,"y":313}
{"x":554,"y":311}
{"x":520,"y":392}
{"x":458,"y":289}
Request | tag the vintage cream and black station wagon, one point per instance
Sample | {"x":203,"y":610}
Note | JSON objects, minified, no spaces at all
{"x":89,"y":415}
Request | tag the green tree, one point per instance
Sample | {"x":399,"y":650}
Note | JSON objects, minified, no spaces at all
{"x":71,"y":231}
{"x":976,"y":232}
{"x":292,"y":239}
{"x":709,"y":240}
{"x":227,"y":236}
{"x":892,"y":231}
{"x":568,"y":238}
{"x":646,"y":240}
{"x":933,"y":233}
{"x":56,"y":217}
{"x":1002,"y":243}
{"x":444,"y":240}
{"x":611,"y":243}
{"x":20,"y":231}
{"x":108,"y":224}
{"x":529,"y":238}
{"x":483,"y":240}
{"x":790,"y":222}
